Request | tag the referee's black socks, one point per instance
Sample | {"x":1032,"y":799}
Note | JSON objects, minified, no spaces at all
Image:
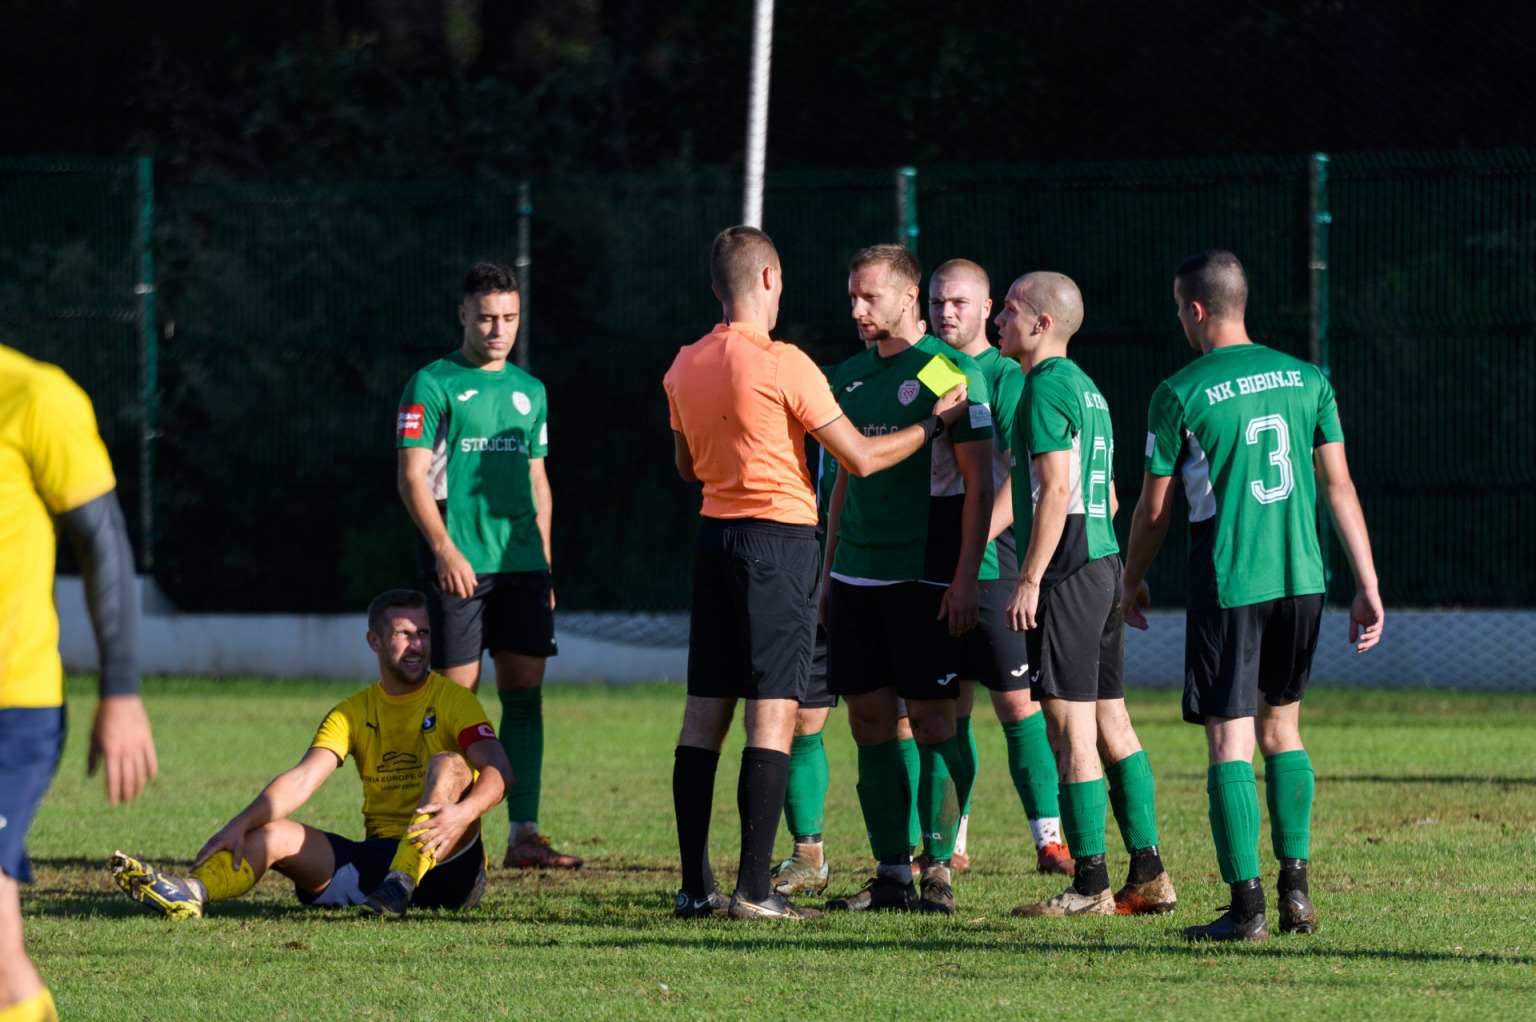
{"x":693,"y":793}
{"x":760,"y":799}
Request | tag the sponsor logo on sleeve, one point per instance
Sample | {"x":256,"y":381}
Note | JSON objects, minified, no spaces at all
{"x":408,"y":425}
{"x":908,"y":391}
{"x":981,"y":416}
{"x":544,"y":434}
{"x":1151,"y":443}
{"x":521,"y":403}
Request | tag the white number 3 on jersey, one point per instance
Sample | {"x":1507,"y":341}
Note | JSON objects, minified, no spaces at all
{"x":1280,"y":457}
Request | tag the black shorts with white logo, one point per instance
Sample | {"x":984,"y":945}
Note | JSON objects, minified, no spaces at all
{"x":1232,"y":655}
{"x":361,"y":867}
{"x":753,"y":622}
{"x":890,"y":636}
{"x":1077,"y":649}
{"x":990,"y":653}
{"x":508,"y":613}
{"x":818,"y":696}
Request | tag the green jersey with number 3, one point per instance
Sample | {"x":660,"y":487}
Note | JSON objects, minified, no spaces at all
{"x":1239,"y":425}
{"x":1062,"y":410}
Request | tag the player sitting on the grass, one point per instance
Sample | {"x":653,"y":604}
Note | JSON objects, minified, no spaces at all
{"x":431,"y":768}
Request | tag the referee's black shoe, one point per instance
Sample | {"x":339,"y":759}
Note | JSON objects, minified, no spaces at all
{"x":690,"y":906}
{"x":1228,"y":927}
{"x":775,"y":906}
{"x":879,"y":892}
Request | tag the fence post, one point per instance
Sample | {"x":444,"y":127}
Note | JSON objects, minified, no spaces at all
{"x":149,"y":361}
{"x":1318,"y":220}
{"x":524,"y":266}
{"x":906,"y":207}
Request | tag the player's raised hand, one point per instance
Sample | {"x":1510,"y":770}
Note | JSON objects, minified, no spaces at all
{"x":122,"y":743}
{"x":1366,"y":618}
{"x":960,"y":605}
{"x":454,"y":573}
{"x":951,"y":405}
{"x":1132,"y":604}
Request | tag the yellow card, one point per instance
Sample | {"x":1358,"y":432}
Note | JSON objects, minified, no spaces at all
{"x":941,"y":375}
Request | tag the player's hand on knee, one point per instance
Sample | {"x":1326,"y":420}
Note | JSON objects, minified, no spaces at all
{"x":230,"y":839}
{"x":122,"y":744}
{"x":1132,"y":604}
{"x":1366,"y":618}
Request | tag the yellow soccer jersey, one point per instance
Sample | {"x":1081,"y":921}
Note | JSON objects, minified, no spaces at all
{"x":392,"y":737}
{"x":51,"y":460}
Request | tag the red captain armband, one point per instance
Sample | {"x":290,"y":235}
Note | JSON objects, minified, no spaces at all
{"x":408,"y":426}
{"x":479,"y":733}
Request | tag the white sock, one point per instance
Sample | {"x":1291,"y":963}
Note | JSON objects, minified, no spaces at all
{"x":1047,"y":831}
{"x":960,"y":834}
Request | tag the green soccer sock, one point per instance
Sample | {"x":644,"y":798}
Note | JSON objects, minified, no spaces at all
{"x":1288,"y":787}
{"x":1033,"y":767}
{"x":522,"y":736}
{"x":1234,"y":797}
{"x":967,"y":763}
{"x":886,"y":798}
{"x":1132,"y":793}
{"x":938,"y":796}
{"x":805,"y":802}
{"x":1083,"y":808}
{"x":914,"y":770}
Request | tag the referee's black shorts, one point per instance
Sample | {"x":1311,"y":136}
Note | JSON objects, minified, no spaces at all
{"x":1077,"y":649}
{"x":753,"y":621}
{"x":1233,"y":654}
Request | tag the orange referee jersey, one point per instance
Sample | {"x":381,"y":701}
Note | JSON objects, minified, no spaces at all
{"x":744,"y":403}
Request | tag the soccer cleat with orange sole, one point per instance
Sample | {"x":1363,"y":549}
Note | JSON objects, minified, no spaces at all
{"x":1054,"y":858}
{"x":537,"y":853}
{"x":1151,"y":898}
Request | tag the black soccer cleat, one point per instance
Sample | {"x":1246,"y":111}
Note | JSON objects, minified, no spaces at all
{"x":775,"y":906}
{"x":688,"y":906}
{"x":937,"y":895}
{"x":391,"y":898}
{"x":879,"y":892}
{"x":1296,"y":913}
{"x":1227,"y":928}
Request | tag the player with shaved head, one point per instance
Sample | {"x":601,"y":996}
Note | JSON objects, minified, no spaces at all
{"x":1066,"y":602}
{"x":1254,"y":434}
{"x":959,"y":302}
{"x":741,"y":405}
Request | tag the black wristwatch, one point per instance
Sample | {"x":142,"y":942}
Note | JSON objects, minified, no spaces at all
{"x":933,"y":427}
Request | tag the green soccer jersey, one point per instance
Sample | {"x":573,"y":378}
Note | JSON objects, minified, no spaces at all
{"x":1005,"y":384}
{"x":1062,"y":410}
{"x":482,"y":427}
{"x":1239,"y":425}
{"x":891,"y":527}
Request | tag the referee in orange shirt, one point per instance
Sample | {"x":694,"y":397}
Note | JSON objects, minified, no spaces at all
{"x":741,"y":405}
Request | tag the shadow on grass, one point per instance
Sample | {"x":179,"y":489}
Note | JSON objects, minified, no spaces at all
{"x":1186,"y":775}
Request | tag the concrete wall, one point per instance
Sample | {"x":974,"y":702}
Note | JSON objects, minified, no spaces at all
{"x":1454,"y":649}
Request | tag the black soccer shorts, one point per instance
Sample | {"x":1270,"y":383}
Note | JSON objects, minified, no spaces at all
{"x":1077,"y":649}
{"x":1232,"y":655}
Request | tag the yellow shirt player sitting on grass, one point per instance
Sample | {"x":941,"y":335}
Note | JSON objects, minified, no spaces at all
{"x":431,"y":767}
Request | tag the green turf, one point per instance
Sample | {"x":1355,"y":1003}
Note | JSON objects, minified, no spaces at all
{"x":1424,"y":846}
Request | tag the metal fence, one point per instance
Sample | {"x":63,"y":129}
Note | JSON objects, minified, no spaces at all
{"x":289,"y":318}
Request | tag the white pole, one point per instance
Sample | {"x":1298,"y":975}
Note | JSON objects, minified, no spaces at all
{"x":757,"y":113}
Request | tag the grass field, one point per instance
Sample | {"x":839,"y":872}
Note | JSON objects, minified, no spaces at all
{"x":1423,"y":871}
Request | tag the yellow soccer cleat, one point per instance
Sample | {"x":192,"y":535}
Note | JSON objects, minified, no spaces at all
{"x":170,"y":896}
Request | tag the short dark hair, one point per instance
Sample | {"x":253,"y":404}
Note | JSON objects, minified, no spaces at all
{"x":897,"y":258}
{"x":402,"y":599}
{"x":1216,"y":280}
{"x":738,"y":257}
{"x":490,"y":279}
